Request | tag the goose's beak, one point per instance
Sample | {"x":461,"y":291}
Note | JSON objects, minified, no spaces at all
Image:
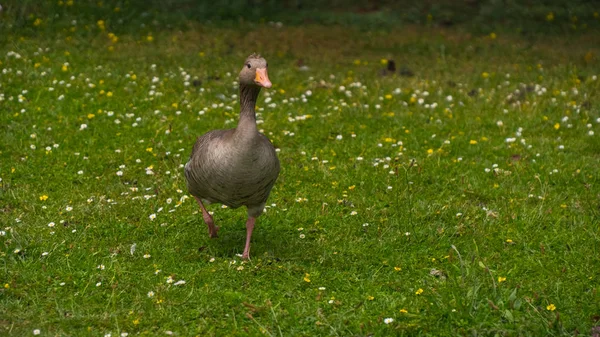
{"x":262,"y":78}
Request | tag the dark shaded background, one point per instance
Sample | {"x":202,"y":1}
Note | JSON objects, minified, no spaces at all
{"x":523,"y":17}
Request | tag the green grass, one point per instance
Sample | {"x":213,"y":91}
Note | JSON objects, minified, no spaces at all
{"x":386,"y":207}
{"x":529,"y":17}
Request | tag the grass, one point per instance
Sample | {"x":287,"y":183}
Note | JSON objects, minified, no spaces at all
{"x":449,"y":201}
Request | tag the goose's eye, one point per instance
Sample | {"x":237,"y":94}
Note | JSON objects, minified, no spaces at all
{"x":248,"y":65}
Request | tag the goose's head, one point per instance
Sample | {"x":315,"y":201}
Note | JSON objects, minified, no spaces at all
{"x":254,"y":72}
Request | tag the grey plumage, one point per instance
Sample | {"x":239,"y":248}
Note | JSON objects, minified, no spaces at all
{"x":236,"y":167}
{"x":232,"y":169}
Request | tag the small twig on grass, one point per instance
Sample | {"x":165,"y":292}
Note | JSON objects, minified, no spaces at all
{"x":462,"y":265}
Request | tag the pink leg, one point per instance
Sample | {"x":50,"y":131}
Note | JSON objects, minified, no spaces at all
{"x":249,"y":228}
{"x":212,"y":229}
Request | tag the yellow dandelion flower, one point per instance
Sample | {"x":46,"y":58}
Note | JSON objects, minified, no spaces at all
{"x":485,"y":75}
{"x":551,"y":307}
{"x":397,"y":268}
{"x":556,"y":126}
{"x":352,"y":187}
{"x":357,"y":62}
{"x":509,"y":240}
{"x":419,"y":292}
{"x":492,"y":35}
{"x":175,"y":105}
{"x":430,"y":151}
{"x":307,"y":277}
{"x":472,"y":142}
{"x":43,"y":197}
{"x":388,"y":140}
{"x":6,"y":285}
{"x":403,"y":311}
{"x":149,"y":149}
{"x":65,"y":67}
{"x":281,"y":91}
{"x":383,"y":61}
{"x":388,"y":96}
{"x":133,"y":77}
{"x":37,"y":22}
{"x":37,"y":65}
{"x":413,"y":99}
{"x":90,"y":116}
{"x":550,"y":17}
{"x":370,"y":298}
{"x":109,"y":94}
{"x":501,"y":279}
{"x":149,"y":38}
{"x":100,"y":24}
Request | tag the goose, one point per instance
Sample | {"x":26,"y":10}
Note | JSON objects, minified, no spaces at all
{"x":236,"y":167}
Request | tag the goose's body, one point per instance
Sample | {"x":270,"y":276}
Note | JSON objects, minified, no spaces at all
{"x":226,"y":169}
{"x":236,"y":167}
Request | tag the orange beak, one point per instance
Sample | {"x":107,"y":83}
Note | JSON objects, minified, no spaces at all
{"x":262,"y":78}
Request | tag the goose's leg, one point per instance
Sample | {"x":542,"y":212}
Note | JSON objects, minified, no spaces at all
{"x":212,"y":229}
{"x":249,"y":228}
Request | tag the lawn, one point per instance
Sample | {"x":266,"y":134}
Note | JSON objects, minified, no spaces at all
{"x":461,"y":200}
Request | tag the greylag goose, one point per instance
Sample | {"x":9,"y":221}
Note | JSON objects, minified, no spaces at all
{"x":236,"y":167}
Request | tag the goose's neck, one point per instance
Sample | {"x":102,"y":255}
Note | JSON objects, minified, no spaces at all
{"x":248,"y":96}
